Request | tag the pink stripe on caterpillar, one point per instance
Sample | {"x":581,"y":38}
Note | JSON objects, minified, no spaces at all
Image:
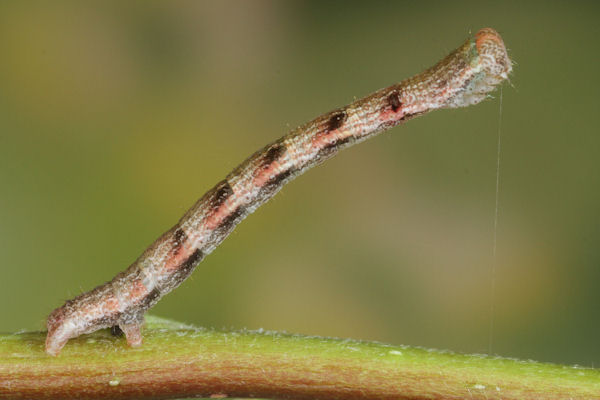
{"x":463,"y":78}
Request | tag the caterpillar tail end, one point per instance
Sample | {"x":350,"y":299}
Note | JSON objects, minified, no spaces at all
{"x":59,"y":332}
{"x":133,"y":333}
{"x":88,"y":313}
{"x":56,"y":339}
{"x":54,"y":345}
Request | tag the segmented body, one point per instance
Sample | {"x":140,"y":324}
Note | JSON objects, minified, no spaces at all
{"x":462,"y":78}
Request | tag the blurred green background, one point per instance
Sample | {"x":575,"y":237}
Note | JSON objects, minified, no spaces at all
{"x":116,"y":116}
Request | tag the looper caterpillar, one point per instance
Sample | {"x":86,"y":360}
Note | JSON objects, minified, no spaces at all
{"x":463,"y":78}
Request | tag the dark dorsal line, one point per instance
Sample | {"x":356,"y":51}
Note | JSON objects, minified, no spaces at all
{"x":151,"y":298}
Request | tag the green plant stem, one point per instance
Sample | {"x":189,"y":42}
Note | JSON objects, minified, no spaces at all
{"x":178,"y":360}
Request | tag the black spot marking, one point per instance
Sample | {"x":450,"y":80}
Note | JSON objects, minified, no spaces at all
{"x":188,"y":265}
{"x":221,"y":192}
{"x":275,"y":152}
{"x":282,"y":176}
{"x":336,"y":120}
{"x":185,"y":269}
{"x":115,"y":330}
{"x":230,"y":221}
{"x":406,"y":117}
{"x":151,"y":298}
{"x":273,"y":185}
{"x":179,"y":237}
{"x":333,"y":146}
{"x":394,"y":100}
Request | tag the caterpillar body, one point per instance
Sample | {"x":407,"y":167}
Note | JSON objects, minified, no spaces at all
{"x":463,"y":78}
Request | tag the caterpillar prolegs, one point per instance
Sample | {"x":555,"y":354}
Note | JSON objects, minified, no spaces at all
{"x":462,"y":78}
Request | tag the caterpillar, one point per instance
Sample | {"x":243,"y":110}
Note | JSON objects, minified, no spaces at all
{"x":462,"y":78}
